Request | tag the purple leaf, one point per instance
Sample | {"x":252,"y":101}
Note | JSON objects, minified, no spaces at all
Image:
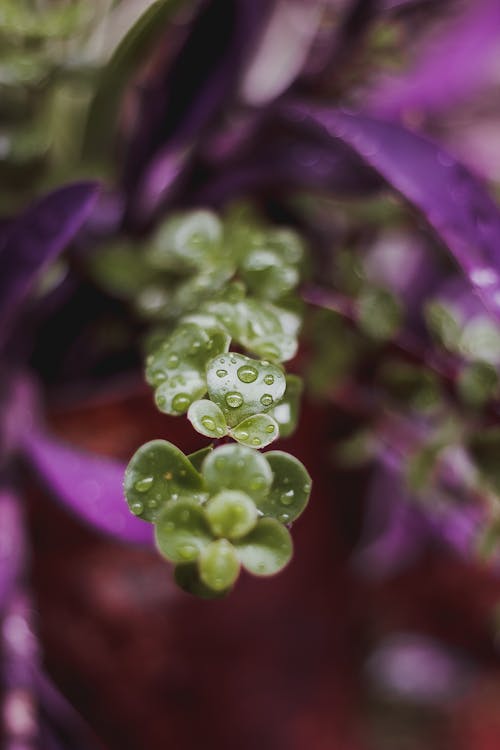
{"x":454,"y":202}
{"x":12,"y":545}
{"x":35,"y":238}
{"x":449,"y":66}
{"x":89,"y":486}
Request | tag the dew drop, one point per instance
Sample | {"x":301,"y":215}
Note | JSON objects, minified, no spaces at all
{"x":181,"y":402}
{"x":241,"y":435}
{"x":269,"y":379}
{"x":233,"y":360}
{"x":187,"y":551}
{"x":266,"y":399}
{"x":173,"y":361}
{"x":137,"y":508}
{"x":152,"y":503}
{"x":158,"y":377}
{"x":196,"y":345}
{"x":247,"y":373}
{"x":256,"y":441}
{"x":234,"y":399}
{"x":221,"y":373}
{"x":287,"y":497}
{"x":284,"y":517}
{"x":143,"y":485}
{"x":220,"y":431}
{"x":161,"y":401}
{"x":208,"y":423}
{"x":270,"y":429}
{"x":222,"y":361}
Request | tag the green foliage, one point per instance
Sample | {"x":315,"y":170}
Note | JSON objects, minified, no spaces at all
{"x":159,"y":472}
{"x":230,"y":513}
{"x":380,"y":313}
{"x":221,"y":508}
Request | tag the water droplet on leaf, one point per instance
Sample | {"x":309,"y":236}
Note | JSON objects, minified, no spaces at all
{"x":247,"y":373}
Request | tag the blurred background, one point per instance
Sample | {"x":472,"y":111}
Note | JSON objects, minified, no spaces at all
{"x":382,"y":633}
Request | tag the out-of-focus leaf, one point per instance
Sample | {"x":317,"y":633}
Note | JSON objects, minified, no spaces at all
{"x":454,"y":202}
{"x":37,"y":237}
{"x":448,"y":66}
{"x":137,"y":43}
{"x":89,"y":486}
{"x":12,"y":544}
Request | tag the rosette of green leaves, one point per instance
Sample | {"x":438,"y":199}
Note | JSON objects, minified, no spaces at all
{"x":228,"y":514}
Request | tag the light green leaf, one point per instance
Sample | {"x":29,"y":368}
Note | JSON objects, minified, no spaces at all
{"x":231,"y":514}
{"x":207,"y":418}
{"x":236,"y":467}
{"x":266,"y":549}
{"x":182,"y":531}
{"x":380,"y":313}
{"x":242,"y":386}
{"x":219,"y":565}
{"x":185,"y":241}
{"x":157,"y":473}
{"x":290,"y":490}
{"x":187,"y":577}
{"x":199,"y":456}
{"x":256,"y":431}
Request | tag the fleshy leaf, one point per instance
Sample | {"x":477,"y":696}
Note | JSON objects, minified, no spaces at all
{"x":266,"y":549}
{"x":187,"y":577}
{"x":199,"y":456}
{"x":265,"y":329}
{"x":267,"y":276}
{"x":286,"y":413}
{"x":454,"y":203}
{"x":235,"y":467}
{"x":290,"y":490}
{"x":242,"y":386}
{"x":219,"y":565}
{"x":256,"y":431}
{"x":159,"y":472}
{"x":37,"y":237}
{"x":177,"y":367}
{"x":89,"y":486}
{"x":185,"y":241}
{"x":182,"y":531}
{"x":207,"y":418}
{"x":231,"y":514}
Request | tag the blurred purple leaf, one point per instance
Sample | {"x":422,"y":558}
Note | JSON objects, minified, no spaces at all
{"x":89,"y":486}
{"x":449,"y":66}
{"x":180,"y":100}
{"x":37,"y":237}
{"x":12,"y":544}
{"x":454,"y":202}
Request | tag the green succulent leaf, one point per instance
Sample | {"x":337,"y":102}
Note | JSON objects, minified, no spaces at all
{"x":182,"y":531}
{"x":207,"y":418}
{"x":266,"y":549}
{"x":177,"y":367}
{"x":267,"y":330}
{"x":267,"y":276}
{"x":187,"y":577}
{"x":159,"y":472}
{"x":242,"y":386}
{"x":120,"y":269}
{"x":380,"y":313}
{"x":290,"y":490}
{"x":236,"y":467}
{"x":185,"y":241}
{"x":257,"y":431}
{"x":478,"y":383}
{"x":219,"y":565}
{"x":286,"y":413}
{"x":231,"y":514}
{"x":197,"y":458}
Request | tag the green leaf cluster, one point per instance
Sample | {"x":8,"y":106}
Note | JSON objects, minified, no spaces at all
{"x":219,"y":511}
